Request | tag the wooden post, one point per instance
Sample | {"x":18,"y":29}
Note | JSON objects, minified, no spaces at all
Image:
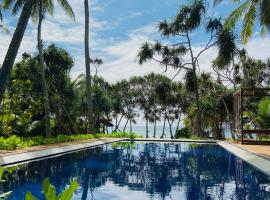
{"x":241,"y":116}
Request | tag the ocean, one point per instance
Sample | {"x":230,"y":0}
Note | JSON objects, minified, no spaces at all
{"x":141,"y":130}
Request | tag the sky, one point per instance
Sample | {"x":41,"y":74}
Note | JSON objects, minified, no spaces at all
{"x":117,"y":30}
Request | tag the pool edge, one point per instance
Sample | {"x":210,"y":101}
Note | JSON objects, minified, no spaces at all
{"x":253,"y":159}
{"x":26,"y":157}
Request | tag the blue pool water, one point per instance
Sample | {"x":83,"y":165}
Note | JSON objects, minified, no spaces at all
{"x":138,"y":171}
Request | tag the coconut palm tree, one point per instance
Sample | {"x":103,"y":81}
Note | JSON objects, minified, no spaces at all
{"x":40,"y":9}
{"x":38,"y":12}
{"x":91,"y":128}
{"x":15,"y":41}
{"x":250,"y":11}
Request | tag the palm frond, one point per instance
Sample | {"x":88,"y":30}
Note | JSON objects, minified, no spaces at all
{"x":249,"y":22}
{"x":18,"y":6}
{"x":217,"y":2}
{"x":264,"y":13}
{"x":236,"y":15}
{"x":68,"y":9}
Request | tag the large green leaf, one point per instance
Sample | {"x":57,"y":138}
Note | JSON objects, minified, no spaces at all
{"x":29,"y":196}
{"x":68,"y":193}
{"x":49,"y":190}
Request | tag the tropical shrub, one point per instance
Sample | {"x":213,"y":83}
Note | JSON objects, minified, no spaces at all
{"x":183,"y":133}
{"x":50,"y":191}
{"x":14,"y":142}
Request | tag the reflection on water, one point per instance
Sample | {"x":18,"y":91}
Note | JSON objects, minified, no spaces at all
{"x":144,"y":171}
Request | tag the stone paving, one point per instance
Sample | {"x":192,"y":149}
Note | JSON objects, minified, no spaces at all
{"x":38,"y":152}
{"x":262,"y":150}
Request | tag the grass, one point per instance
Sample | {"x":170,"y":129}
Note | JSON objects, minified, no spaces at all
{"x":15,"y":142}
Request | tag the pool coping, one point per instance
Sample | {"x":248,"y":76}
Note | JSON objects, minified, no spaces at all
{"x":253,"y":159}
{"x":259,"y":162}
{"x":25,"y":157}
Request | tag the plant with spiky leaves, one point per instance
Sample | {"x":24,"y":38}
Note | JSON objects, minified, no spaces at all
{"x":249,"y":12}
{"x":188,"y":19}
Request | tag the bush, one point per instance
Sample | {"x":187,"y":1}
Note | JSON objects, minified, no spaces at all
{"x":15,"y":142}
{"x":183,"y":133}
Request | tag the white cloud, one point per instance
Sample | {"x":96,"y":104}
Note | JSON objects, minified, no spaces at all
{"x":119,"y":56}
{"x":57,"y":29}
{"x":124,"y":64}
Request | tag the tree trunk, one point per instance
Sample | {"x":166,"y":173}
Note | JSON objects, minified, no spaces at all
{"x":197,"y":123}
{"x":163,"y":131}
{"x":130,"y":126}
{"x":43,"y":76}
{"x":197,"y":130}
{"x":91,"y":129}
{"x":118,"y":123}
{"x":14,"y":46}
{"x":178,"y":123}
{"x":170,"y":125}
{"x":228,"y":118}
{"x":125,"y":126}
{"x":146,"y":128}
{"x":155,"y":127}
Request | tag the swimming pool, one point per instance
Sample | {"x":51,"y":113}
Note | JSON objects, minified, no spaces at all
{"x":137,"y":171}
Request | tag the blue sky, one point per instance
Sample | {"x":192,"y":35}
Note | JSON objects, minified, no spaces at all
{"x":118,"y":28}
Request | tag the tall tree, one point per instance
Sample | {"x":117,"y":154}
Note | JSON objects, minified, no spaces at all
{"x":39,"y":10}
{"x":188,"y":19}
{"x":15,"y":41}
{"x":42,"y":7}
{"x":90,"y":113}
{"x":250,"y":11}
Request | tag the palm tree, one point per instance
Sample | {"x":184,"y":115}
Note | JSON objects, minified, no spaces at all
{"x":42,"y":7}
{"x":88,"y":71}
{"x":15,"y":41}
{"x":38,"y":12}
{"x":250,"y":11}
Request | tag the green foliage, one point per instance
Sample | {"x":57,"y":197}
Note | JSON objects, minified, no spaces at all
{"x":190,"y":79}
{"x":29,"y":196}
{"x":264,"y":113}
{"x":183,"y":133}
{"x":248,"y":12}
{"x":15,"y":142}
{"x":11,"y":143}
{"x":50,"y":192}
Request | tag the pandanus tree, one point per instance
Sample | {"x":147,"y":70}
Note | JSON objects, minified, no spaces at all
{"x":248,"y":13}
{"x":147,"y":97}
{"x":163,"y":90}
{"x":189,"y":18}
{"x":16,"y":39}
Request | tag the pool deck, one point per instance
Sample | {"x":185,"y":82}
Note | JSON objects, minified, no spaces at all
{"x":43,"y":151}
{"x":258,"y":161}
{"x":262,"y":150}
{"x":256,"y":155}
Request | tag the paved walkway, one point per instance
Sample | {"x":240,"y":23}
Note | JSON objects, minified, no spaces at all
{"x":38,"y":152}
{"x":262,"y":150}
{"x":258,"y":162}
{"x":48,"y":146}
